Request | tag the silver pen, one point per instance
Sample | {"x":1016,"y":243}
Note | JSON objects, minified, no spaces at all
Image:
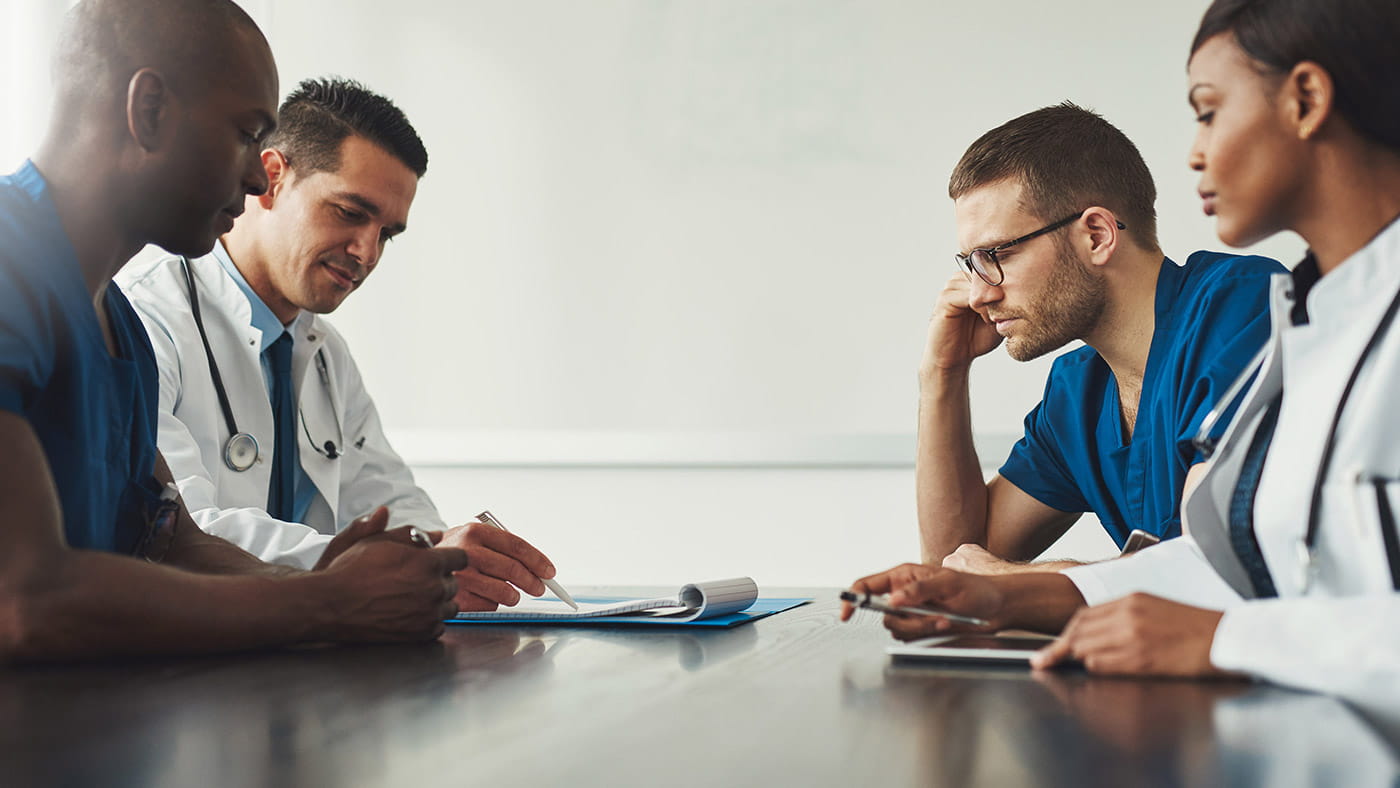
{"x":490,"y":519}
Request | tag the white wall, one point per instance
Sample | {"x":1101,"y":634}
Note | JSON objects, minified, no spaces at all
{"x":668,"y":525}
{"x":686,"y":216}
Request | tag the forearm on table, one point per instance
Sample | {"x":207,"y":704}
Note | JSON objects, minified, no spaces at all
{"x":88,"y":604}
{"x":1039,"y":601}
{"x":194,"y":550}
{"x":951,"y":493}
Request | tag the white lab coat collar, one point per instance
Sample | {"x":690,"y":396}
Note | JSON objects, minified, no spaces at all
{"x":228,"y":303}
{"x":1374,"y":268}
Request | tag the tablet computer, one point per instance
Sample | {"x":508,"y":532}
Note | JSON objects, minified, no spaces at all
{"x":984,"y":649}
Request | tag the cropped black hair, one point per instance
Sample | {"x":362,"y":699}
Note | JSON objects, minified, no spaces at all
{"x":318,"y":116}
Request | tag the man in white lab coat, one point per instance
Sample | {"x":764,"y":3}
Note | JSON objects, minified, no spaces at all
{"x":265,"y":421}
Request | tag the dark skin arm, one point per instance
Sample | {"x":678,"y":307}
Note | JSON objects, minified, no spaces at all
{"x":1043,"y":602}
{"x":57,"y":603}
{"x":1138,"y":635}
{"x":193,"y":549}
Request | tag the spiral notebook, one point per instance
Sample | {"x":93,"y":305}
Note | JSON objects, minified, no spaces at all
{"x":727,"y":601}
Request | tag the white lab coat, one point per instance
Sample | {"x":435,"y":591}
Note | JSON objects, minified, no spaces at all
{"x":233,"y":504}
{"x":1342,"y":635}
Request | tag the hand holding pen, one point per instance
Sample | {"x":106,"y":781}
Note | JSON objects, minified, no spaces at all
{"x":922,"y":601}
{"x":489,"y":519}
{"x":500,"y":563}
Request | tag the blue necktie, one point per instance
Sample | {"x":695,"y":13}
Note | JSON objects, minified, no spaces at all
{"x":281,"y":496}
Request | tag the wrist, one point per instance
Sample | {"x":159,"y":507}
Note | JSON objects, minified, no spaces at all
{"x":1040,"y":601}
{"x":934,"y":377}
{"x":312,"y":601}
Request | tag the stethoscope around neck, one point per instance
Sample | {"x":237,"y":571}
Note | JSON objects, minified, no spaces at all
{"x":241,"y":449}
{"x":1306,"y":545}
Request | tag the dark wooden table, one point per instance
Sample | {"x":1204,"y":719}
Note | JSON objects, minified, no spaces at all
{"x":795,"y":699}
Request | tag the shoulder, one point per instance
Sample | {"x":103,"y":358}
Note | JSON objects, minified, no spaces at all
{"x":1223,"y":292}
{"x":1205,"y":271}
{"x":152,"y":269}
{"x":154,"y":282}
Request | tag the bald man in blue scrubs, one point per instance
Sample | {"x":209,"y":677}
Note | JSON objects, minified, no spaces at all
{"x":1057,"y":234}
{"x":159,"y":109}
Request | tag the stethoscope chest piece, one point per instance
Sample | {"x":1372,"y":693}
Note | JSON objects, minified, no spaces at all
{"x":240,"y":452}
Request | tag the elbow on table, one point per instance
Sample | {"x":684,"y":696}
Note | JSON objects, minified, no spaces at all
{"x":20,"y":635}
{"x":28,"y":626}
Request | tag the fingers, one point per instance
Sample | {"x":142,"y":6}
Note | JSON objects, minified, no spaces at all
{"x":929,"y":588}
{"x":884,"y":582}
{"x":366,"y":525}
{"x":1059,"y":651}
{"x":493,"y":589}
{"x":449,"y":594}
{"x":955,"y":561}
{"x":504,"y":568}
{"x":511,"y":546}
{"x":452,"y":558}
{"x":916,"y":627}
{"x":468,"y":602}
{"x":1092,"y":637}
{"x":360,"y":528}
{"x":887,"y":581}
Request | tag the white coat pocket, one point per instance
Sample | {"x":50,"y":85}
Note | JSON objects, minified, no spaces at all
{"x":1375,"y":505}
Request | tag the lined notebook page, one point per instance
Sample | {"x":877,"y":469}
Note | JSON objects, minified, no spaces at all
{"x":694,"y":601}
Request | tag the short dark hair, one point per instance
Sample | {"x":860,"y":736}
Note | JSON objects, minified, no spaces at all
{"x":318,"y":116}
{"x":1068,"y":159}
{"x":1356,"y":41}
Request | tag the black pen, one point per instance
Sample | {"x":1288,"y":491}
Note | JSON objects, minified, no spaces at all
{"x":881,"y":602}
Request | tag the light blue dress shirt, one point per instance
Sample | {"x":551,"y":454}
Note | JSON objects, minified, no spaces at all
{"x":266,"y":322}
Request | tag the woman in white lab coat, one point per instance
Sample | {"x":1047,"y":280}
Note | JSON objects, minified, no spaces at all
{"x":1291,"y":568}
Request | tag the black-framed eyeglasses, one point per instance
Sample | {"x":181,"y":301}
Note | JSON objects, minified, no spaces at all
{"x":985,"y":264}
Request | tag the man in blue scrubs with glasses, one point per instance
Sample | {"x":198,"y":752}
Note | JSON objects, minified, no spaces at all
{"x":159,"y":110}
{"x":1057,"y":229}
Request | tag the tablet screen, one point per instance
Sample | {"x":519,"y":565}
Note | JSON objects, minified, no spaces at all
{"x":972,"y":648}
{"x":992,"y":643}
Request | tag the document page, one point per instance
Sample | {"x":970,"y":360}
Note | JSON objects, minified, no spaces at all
{"x":694,"y":601}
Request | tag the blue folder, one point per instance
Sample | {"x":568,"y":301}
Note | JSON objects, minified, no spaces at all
{"x":761,"y":608}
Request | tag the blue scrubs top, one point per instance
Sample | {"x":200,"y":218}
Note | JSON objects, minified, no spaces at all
{"x":1212,"y":317}
{"x":95,"y":415}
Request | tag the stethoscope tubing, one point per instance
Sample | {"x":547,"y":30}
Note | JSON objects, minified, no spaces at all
{"x":1206,"y":445}
{"x":241,"y":449}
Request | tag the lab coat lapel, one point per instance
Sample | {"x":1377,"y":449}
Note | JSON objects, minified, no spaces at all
{"x":1205,"y":513}
{"x":237,"y":347}
{"x":318,"y":420}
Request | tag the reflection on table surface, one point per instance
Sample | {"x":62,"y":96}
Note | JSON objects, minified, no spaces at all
{"x":793,"y":699}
